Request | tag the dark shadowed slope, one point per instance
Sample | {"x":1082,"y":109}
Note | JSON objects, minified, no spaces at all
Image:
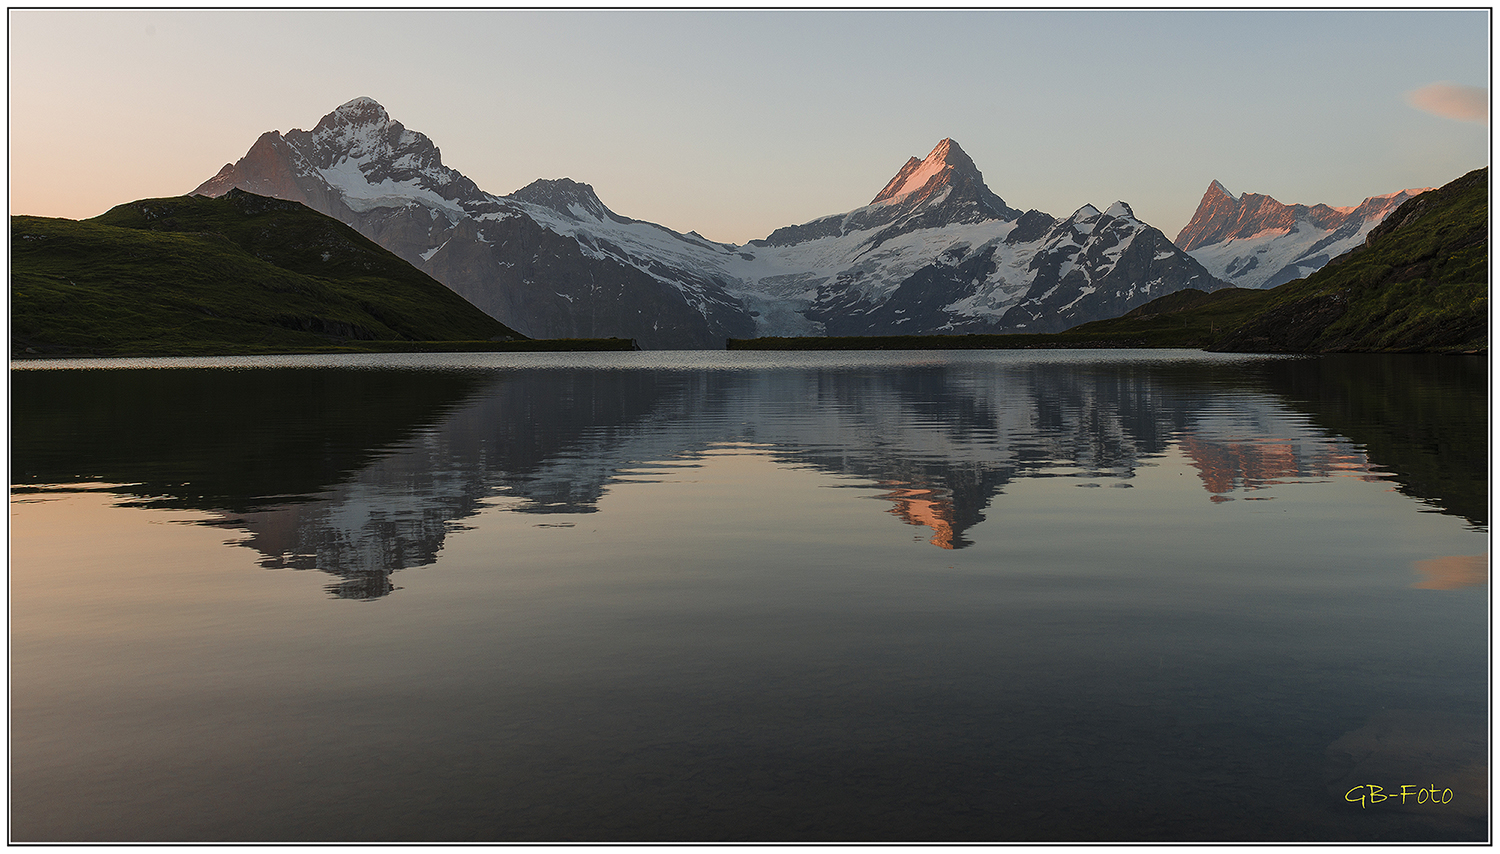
{"x":237,"y":274}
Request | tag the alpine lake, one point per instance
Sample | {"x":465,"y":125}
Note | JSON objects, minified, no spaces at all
{"x":987,"y":596}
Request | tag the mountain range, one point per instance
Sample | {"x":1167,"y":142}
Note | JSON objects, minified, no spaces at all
{"x":1418,"y":283}
{"x":1254,"y":241}
{"x":935,"y":251}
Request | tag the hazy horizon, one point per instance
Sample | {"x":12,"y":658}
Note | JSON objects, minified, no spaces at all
{"x":735,"y":123}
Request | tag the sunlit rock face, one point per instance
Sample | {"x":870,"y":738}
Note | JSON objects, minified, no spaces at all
{"x":935,"y":252}
{"x":1254,"y":241}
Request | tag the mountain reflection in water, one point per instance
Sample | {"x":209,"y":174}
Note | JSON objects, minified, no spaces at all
{"x":359,"y":473}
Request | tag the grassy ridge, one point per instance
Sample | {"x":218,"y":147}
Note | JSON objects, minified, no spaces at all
{"x":204,"y":276}
{"x":1187,"y":318}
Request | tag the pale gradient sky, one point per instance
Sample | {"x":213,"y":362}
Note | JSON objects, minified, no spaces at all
{"x":734,"y":123}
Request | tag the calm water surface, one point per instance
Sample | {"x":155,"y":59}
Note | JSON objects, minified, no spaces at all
{"x":1007,"y":596}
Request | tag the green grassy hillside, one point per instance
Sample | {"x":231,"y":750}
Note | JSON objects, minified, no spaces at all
{"x":1419,"y":284}
{"x":237,"y":274}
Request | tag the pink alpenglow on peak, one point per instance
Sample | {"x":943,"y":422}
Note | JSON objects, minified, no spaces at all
{"x":1253,"y":241}
{"x":916,"y":175}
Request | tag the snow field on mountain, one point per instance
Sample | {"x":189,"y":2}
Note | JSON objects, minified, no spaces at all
{"x":360,"y":195}
{"x":1272,"y":250}
{"x":766,"y":276}
{"x":1004,"y":287}
{"x":1085,"y":223}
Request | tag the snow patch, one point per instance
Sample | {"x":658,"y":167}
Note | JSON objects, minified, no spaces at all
{"x":360,"y":195}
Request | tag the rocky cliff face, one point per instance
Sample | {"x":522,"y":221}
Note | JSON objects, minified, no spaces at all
{"x":1254,"y":241}
{"x":1100,"y":265}
{"x":936,"y":251}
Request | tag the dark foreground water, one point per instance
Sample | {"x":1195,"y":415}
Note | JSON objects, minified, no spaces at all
{"x":733,"y":596}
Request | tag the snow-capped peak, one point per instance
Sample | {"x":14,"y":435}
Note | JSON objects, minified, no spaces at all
{"x":359,"y":117}
{"x":565,"y":196}
{"x":359,"y":128}
{"x":361,"y":104}
{"x":372,"y":161}
{"x":1120,"y":209}
{"x":1387,"y":201}
{"x":1085,"y":213}
{"x":944,"y":159}
{"x":1257,"y":242}
{"x":1215,"y":184}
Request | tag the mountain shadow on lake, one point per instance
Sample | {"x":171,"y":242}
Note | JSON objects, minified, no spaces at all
{"x":1414,"y":415}
{"x":359,"y":473}
{"x":213,"y":439}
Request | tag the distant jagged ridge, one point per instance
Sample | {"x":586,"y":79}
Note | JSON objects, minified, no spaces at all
{"x":1254,"y":241}
{"x":1418,"y":283}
